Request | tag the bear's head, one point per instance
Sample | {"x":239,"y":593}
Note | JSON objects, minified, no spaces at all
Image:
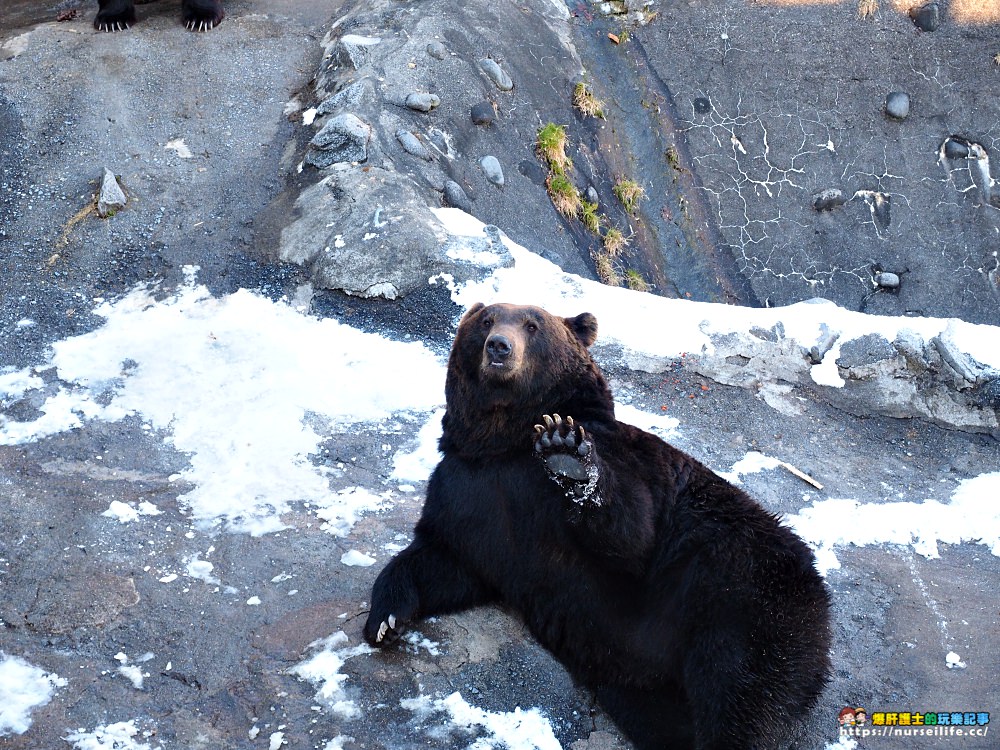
{"x":510,"y":364}
{"x":520,"y":345}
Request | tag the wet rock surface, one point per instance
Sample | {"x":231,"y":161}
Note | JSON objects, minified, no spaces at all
{"x":734,"y":162}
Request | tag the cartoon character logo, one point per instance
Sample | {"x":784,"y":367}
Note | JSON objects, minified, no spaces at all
{"x":860,"y":716}
{"x":846,"y":718}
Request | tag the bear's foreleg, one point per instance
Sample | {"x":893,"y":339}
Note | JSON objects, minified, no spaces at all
{"x":610,"y":505}
{"x":421,"y":581}
{"x":569,"y":458}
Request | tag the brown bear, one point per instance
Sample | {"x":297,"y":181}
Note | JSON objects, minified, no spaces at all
{"x":196,"y":15}
{"x":695,"y":616}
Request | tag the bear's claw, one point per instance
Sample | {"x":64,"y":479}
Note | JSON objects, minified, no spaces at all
{"x":387,"y":634}
{"x":568,"y":454}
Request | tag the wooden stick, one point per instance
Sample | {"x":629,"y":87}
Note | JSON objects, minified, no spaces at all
{"x":802,"y":475}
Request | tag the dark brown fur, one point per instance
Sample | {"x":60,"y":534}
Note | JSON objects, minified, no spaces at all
{"x":696,"y":617}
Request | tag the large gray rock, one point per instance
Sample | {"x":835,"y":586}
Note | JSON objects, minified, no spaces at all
{"x":343,"y":139}
{"x":350,"y":97}
{"x":370,"y":233}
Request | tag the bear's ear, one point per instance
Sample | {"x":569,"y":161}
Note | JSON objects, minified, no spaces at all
{"x":471,"y":311}
{"x":584,"y":327}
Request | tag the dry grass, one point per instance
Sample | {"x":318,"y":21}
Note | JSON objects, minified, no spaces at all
{"x":590,"y":218}
{"x":565,"y":197}
{"x":551,"y":145}
{"x":615,"y":242}
{"x":585,"y":101}
{"x":605,"y":268}
{"x":629,"y":192}
{"x":635,"y":282}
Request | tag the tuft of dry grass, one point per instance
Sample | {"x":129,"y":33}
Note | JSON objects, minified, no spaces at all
{"x":615,"y":242}
{"x":551,"y":144}
{"x":629,"y":192}
{"x":590,"y":218}
{"x":605,"y":268}
{"x":585,"y":101}
{"x":635,"y":282}
{"x":565,"y":197}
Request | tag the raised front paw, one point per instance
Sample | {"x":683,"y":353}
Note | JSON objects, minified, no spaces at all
{"x":568,"y":454}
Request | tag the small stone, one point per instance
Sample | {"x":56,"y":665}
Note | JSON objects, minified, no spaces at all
{"x":412,"y":145}
{"x":496,"y":74}
{"x":421,"y":102}
{"x":887,"y":280}
{"x":492,"y":170}
{"x":827,"y":200}
{"x":111,"y":198}
{"x":897,"y":105}
{"x":343,"y":139}
{"x":437,"y":50}
{"x":926,"y":17}
{"x":455,"y":196}
{"x":483,"y":113}
{"x":955,"y":148}
{"x":592,"y":195}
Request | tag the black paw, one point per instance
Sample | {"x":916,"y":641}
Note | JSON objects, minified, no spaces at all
{"x":201,"y":15}
{"x":383,"y":632}
{"x":568,"y":455}
{"x":115,"y":15}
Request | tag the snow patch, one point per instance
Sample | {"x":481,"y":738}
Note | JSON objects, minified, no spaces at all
{"x":417,"y":465}
{"x":323,"y":671}
{"x":126,"y":513}
{"x":659,"y":424}
{"x":133,"y":674}
{"x":247,"y":387}
{"x":415,"y":640}
{"x":514,"y":730}
{"x":178,"y":145}
{"x":23,"y":687}
{"x":342,"y":509}
{"x":954,"y":661}
{"x":202,"y":570}
{"x":650,"y":327}
{"x":357,"y":559}
{"x":118,"y":736}
{"x":752,"y":463}
{"x":972,"y":515}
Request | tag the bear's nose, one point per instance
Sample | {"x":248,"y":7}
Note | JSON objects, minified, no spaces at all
{"x":498,"y":347}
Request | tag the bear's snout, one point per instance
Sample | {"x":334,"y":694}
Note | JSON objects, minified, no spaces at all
{"x":498,"y":348}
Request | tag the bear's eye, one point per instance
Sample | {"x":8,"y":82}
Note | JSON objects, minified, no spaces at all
{"x":487,"y":323}
{"x":530,"y":327}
